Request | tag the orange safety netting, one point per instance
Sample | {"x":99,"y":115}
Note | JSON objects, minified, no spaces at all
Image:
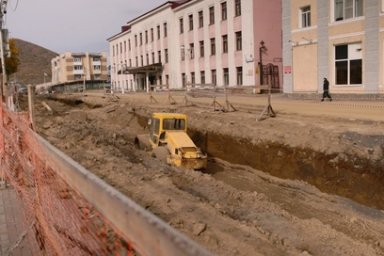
{"x":61,"y":221}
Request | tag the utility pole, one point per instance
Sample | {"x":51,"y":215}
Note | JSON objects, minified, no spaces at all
{"x":85,"y":78}
{"x":5,"y":90}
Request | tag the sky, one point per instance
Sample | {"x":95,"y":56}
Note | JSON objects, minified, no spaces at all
{"x":72,"y":25}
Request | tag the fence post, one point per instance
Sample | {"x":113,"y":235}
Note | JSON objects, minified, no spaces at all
{"x":31,"y":106}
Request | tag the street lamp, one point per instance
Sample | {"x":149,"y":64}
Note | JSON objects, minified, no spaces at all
{"x":262,"y":49}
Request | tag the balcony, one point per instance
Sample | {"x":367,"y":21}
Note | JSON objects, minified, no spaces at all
{"x":78,"y":72}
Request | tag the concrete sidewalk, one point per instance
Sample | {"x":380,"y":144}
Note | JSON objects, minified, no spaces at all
{"x":16,"y":236}
{"x":346,"y":109}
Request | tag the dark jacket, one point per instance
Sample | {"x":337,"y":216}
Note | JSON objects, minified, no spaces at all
{"x":326,"y":85}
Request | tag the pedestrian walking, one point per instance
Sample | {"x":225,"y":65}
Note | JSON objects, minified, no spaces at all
{"x":326,"y":90}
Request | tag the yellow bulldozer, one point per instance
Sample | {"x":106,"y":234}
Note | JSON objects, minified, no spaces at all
{"x":168,"y":140}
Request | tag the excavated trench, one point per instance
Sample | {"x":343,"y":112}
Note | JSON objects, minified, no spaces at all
{"x":363,"y":184}
{"x":341,"y":177}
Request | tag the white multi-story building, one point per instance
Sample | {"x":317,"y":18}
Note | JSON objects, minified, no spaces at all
{"x":68,"y":67}
{"x":342,"y":40}
{"x":198,"y":42}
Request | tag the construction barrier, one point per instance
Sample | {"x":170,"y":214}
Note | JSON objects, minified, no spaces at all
{"x":69,"y":210}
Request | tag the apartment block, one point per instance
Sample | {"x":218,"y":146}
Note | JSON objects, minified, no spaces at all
{"x":68,"y":67}
{"x":342,"y":40}
{"x":222,"y":43}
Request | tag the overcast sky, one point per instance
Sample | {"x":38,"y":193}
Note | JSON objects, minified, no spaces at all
{"x":72,"y":25}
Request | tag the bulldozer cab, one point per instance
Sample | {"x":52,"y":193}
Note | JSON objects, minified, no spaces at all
{"x":160,"y":123}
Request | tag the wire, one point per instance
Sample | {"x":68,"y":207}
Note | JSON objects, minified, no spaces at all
{"x":17,"y":4}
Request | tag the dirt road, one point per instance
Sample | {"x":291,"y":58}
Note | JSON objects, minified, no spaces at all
{"x":276,"y":187}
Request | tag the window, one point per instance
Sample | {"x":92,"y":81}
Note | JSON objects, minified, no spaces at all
{"x":137,"y":61}
{"x":183,"y":80}
{"x":238,"y":41}
{"x":141,"y":38}
{"x":201,"y":19}
{"x":224,"y":11}
{"x":121,"y":48}
{"x":190,"y":19}
{"x":129,"y":44}
{"x":237,"y":8}
{"x":142,"y":60}
{"x":130,"y":62}
{"x":153,"y":57}
{"x":226,"y":76}
{"x":193,"y":80}
{"x":113,"y":50}
{"x":182,"y":52}
{"x":239,"y":75}
{"x":213,"y":78}
{"x":181,"y":22}
{"x":192,"y":50}
{"x":167,"y":80}
{"x":78,"y":67}
{"x":211,"y":15}
{"x":348,"y":64}
{"x":160,"y":80}
{"x":125,"y":46}
{"x":201,"y":43}
{"x":147,"y":58}
{"x":76,"y":59}
{"x":225,"y":44}
{"x":146,"y":36}
{"x":347,"y":9}
{"x":166,"y":55}
{"x":305,"y":17}
{"x":165,"y":29}
{"x":152,"y":38}
{"x":159,"y":56}
{"x":202,"y":77}
{"x":173,"y":124}
{"x":213,"y":46}
{"x":158,"y":32}
{"x":135,"y":40}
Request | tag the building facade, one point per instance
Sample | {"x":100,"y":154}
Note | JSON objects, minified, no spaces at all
{"x":68,"y":67}
{"x":342,"y":40}
{"x":198,"y":42}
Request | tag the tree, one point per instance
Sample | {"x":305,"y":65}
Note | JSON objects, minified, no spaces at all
{"x":12,"y":62}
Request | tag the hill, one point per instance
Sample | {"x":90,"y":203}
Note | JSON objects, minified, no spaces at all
{"x":34,"y":62}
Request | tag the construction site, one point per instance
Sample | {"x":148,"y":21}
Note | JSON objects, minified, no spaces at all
{"x":307,"y":181}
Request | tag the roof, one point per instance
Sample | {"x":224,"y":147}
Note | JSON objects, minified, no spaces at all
{"x":156,"y":67}
{"x":171,"y":4}
{"x":169,"y":115}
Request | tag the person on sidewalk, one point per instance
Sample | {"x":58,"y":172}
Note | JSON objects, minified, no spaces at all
{"x":326,"y":90}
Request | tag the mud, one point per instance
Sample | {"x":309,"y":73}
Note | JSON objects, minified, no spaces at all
{"x":255,"y":197}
